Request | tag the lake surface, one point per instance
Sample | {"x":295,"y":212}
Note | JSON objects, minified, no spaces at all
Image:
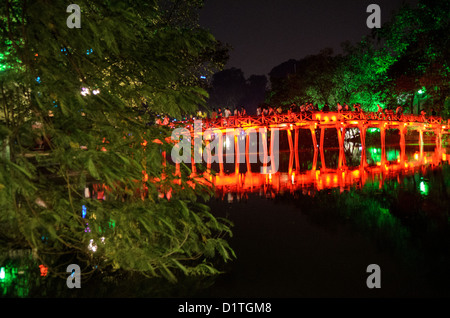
{"x":312,"y":233}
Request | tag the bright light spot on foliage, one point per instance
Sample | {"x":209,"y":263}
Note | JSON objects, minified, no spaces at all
{"x":2,"y":273}
{"x":83,"y":211}
{"x":92,"y":246}
{"x":420,"y":91}
{"x":96,"y":91}
{"x":373,"y":130}
{"x":85,"y":91}
{"x":43,"y":269}
{"x":424,"y":189}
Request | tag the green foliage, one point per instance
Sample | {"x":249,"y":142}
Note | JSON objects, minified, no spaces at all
{"x":137,"y":54}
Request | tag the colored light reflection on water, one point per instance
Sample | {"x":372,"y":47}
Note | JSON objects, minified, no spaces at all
{"x":344,"y":178}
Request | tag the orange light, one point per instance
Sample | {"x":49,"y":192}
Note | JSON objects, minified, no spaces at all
{"x":43,"y":269}
{"x":318,"y":116}
{"x":145,"y":177}
{"x":378,"y":163}
{"x":444,"y":157}
{"x":416,"y":156}
{"x":333,"y":118}
{"x":326,"y":118}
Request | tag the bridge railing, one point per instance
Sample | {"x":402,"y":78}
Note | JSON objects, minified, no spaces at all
{"x":296,"y":117}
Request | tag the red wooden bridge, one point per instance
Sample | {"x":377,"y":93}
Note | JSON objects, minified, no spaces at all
{"x":293,"y":121}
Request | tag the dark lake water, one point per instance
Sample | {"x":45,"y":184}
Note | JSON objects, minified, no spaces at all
{"x":310,"y":233}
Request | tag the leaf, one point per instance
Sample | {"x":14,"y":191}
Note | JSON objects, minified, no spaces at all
{"x":168,"y":273}
{"x":22,"y":169}
{"x":92,"y":169}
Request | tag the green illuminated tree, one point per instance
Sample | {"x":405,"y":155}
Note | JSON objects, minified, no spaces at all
{"x":127,"y":54}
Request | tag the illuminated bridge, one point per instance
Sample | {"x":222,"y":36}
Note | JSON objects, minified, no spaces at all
{"x":292,"y":122}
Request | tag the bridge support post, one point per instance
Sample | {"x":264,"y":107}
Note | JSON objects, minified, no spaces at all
{"x":291,"y":150}
{"x":322,"y":154}
{"x":264,"y":145}
{"x":312,"y":128}
{"x":341,"y":139}
{"x":208,"y":154}
{"x":383,"y":144}
{"x":220,"y":153}
{"x":237,"y":153}
{"x":297,"y":162}
{"x":272,"y":150}
{"x":247,"y":150}
{"x":402,"y":131}
{"x":362,"y":135}
{"x":438,"y":134}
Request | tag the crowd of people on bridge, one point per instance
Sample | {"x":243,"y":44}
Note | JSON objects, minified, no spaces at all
{"x":268,"y":110}
{"x":264,"y":110}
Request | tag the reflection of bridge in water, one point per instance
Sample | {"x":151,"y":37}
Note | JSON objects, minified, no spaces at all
{"x":311,"y":180}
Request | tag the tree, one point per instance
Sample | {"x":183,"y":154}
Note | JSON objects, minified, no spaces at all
{"x":311,"y":80}
{"x":78,"y":92}
{"x":227,"y":88}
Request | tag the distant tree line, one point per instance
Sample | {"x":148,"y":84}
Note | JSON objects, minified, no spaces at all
{"x":405,"y":62}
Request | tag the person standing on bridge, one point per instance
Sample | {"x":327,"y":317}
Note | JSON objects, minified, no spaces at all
{"x":279,"y":110}
{"x":339,"y":107}
{"x":213,"y":114}
{"x":227,"y":112}
{"x":258,"y":110}
{"x":422,"y":114}
{"x":219,"y":113}
{"x":235,"y":112}
{"x":243,"y":111}
{"x":379,"y":111}
{"x":399,"y":110}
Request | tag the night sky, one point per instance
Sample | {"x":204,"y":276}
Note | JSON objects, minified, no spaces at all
{"x":266,"y":33}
